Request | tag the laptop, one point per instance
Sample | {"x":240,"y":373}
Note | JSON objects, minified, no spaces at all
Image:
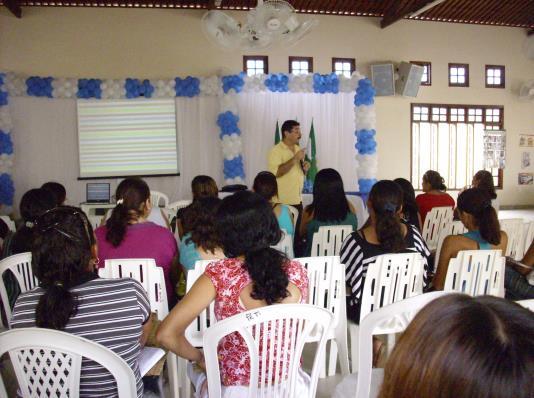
{"x":97,"y":192}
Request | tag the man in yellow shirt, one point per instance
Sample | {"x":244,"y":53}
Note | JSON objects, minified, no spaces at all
{"x":286,"y":162}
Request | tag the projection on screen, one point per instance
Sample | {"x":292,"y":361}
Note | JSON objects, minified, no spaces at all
{"x":119,"y":138}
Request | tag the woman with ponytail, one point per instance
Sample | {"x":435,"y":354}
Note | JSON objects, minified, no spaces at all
{"x":71,"y":298}
{"x":254,"y":275}
{"x":384,"y":232}
{"x":434,"y":194}
{"x":484,"y":232}
{"x":128,"y":233}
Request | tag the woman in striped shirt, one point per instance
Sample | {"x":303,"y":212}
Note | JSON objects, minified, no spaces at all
{"x":71,"y":298}
{"x":385,"y":232}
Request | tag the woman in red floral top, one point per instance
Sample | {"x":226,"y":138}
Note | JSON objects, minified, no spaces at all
{"x":253,"y":276}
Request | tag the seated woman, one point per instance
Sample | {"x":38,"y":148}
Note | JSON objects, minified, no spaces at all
{"x":201,"y":187}
{"x":56,"y":189}
{"x":434,"y":194}
{"x":384,"y":232}
{"x":202,"y":242}
{"x":265,"y":185}
{"x":128,"y":233}
{"x":329,"y":207}
{"x":516,"y":284}
{"x":463,"y":347}
{"x":484,"y":233}
{"x":72,"y":298}
{"x":253,"y":276}
{"x":484,"y":180}
{"x":410,"y":210}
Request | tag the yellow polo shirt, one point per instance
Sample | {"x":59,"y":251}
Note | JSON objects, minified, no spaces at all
{"x":290,"y":184}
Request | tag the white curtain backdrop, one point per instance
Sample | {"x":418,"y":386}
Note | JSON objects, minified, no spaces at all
{"x":46,"y":143}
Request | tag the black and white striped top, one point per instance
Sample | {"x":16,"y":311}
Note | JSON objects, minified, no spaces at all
{"x":111,"y":312}
{"x":357,"y":254}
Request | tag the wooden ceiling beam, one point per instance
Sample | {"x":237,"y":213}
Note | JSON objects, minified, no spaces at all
{"x":401,"y":10}
{"x":14,"y":7}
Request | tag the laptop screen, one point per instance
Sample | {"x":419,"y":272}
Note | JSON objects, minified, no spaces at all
{"x":97,"y":192}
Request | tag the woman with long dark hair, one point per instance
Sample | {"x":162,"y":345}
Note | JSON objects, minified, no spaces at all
{"x":128,"y":233}
{"x":484,"y":232}
{"x":71,"y":298}
{"x":410,"y":210}
{"x":463,"y":347}
{"x":434,"y":195}
{"x":254,"y":275}
{"x":484,"y":180}
{"x":329,"y":206}
{"x":384,"y":232}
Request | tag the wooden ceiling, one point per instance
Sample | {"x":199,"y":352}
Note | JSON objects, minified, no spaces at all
{"x":518,"y":13}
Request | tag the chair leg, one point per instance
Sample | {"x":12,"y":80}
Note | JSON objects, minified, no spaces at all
{"x":172,"y":368}
{"x":332,"y":358}
{"x":343,"y":350}
{"x":322,"y":373}
{"x":391,"y":342}
{"x":183,"y":379}
{"x":354,"y":331}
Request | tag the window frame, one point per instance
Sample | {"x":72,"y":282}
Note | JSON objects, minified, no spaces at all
{"x":466,"y":107}
{"x":299,"y":58}
{"x":503,"y":76}
{"x":263,"y":58}
{"x":429,"y":71}
{"x":456,"y":65}
{"x":352,"y":62}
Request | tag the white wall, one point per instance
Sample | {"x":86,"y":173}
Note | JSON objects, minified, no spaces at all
{"x":113,"y":43}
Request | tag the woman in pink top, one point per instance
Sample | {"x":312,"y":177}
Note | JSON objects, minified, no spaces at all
{"x":254,"y":275}
{"x":128,"y":234}
{"x":434,"y":194}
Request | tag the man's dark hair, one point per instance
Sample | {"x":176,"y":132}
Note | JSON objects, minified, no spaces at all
{"x":288,"y":125}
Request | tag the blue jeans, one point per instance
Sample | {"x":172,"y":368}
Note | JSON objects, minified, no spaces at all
{"x":517,"y":286}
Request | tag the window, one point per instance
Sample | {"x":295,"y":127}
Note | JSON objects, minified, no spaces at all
{"x":458,"y":75}
{"x":255,"y":64}
{"x":450,"y":139}
{"x":495,"y":76}
{"x":300,"y":65}
{"x":343,"y":66}
{"x":426,"y":79}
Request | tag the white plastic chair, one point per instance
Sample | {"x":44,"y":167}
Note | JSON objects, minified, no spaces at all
{"x":326,"y":289}
{"x":435,"y":220}
{"x":391,"y":278}
{"x":289,"y":327}
{"x":328,"y":239}
{"x":151,"y":277}
{"x":361,"y":211}
{"x":514,"y":229}
{"x":476,"y":272}
{"x":295,"y":214}
{"x":48,"y":363}
{"x":528,"y":233}
{"x":155,"y":198}
{"x":171,"y":211}
{"x":95,"y":221}
{"x":285,"y":245}
{"x":21,"y":266}
{"x":393,"y":318}
{"x":527,"y":304}
{"x":10,"y":223}
{"x":454,"y":228}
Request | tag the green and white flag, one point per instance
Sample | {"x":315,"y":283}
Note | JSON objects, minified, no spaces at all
{"x":310,"y":157}
{"x":277,"y":134}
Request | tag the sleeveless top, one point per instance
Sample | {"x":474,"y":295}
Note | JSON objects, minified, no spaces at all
{"x":229,"y":278}
{"x":189,"y":254}
{"x":284,"y":220}
{"x":475,"y":235}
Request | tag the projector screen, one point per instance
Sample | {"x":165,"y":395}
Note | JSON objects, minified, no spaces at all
{"x":119,"y":138}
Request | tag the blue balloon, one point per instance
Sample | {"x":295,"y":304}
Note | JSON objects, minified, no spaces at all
{"x":365,"y":184}
{"x":277,"y":83}
{"x":7,"y":190}
{"x":235,"y":82}
{"x":188,"y":87}
{"x":89,"y":88}
{"x":39,"y":86}
{"x":227,"y":122}
{"x":6,"y":145}
{"x":3,"y":98}
{"x":234,"y":168}
{"x":365,"y":93}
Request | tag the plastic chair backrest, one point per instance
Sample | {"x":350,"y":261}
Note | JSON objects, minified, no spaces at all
{"x":21,"y":266}
{"x":155,"y":198}
{"x":328,"y":239}
{"x":528,"y":229}
{"x":285,"y":245}
{"x":48,"y":363}
{"x":9,"y":222}
{"x":145,"y":271}
{"x":514,"y":229}
{"x":95,"y":221}
{"x":435,"y":220}
{"x":527,"y":304}
{"x":391,"y":278}
{"x":361,"y":211}
{"x":393,"y":318}
{"x":295,"y":214}
{"x":476,"y":272}
{"x":454,"y":228}
{"x":272,"y":334}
